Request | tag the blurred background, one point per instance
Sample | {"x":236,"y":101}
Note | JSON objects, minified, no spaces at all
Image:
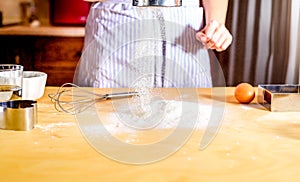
{"x":13,"y":11}
{"x":266,"y":46}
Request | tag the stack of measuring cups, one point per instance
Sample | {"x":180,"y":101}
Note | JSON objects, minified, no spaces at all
{"x":19,"y":91}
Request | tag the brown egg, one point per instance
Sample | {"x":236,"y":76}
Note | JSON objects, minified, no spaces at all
{"x":244,"y":93}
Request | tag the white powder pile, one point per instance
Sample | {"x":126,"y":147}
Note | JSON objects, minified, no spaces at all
{"x":160,"y":114}
{"x":148,"y":110}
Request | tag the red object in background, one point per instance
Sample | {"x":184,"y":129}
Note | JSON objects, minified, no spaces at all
{"x":69,"y":12}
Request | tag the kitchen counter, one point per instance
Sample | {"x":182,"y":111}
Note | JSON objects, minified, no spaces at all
{"x":58,"y":31}
{"x":252,"y":144}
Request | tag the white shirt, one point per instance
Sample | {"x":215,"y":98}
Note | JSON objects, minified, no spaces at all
{"x":126,"y":45}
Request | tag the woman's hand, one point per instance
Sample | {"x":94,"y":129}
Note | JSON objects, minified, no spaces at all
{"x":215,"y":36}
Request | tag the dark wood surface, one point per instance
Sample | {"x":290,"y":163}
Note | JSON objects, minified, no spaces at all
{"x":56,"y":56}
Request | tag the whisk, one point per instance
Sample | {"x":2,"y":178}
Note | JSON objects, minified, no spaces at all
{"x":72,"y":99}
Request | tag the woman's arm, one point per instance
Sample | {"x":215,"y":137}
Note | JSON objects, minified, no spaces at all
{"x":215,"y":10}
{"x":215,"y":35}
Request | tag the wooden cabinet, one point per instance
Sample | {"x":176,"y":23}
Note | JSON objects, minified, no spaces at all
{"x":17,"y":50}
{"x":56,"y":56}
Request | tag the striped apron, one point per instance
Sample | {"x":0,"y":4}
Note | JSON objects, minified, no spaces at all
{"x":128,"y":46}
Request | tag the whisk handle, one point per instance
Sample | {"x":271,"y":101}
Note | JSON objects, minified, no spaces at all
{"x":120,"y":95}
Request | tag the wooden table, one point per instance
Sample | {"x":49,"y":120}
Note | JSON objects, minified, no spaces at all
{"x":252,"y":144}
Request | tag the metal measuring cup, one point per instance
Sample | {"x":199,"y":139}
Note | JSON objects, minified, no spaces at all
{"x":18,"y":115}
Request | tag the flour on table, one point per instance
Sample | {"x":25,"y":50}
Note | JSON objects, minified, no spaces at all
{"x":159,"y":114}
{"x":53,"y":126}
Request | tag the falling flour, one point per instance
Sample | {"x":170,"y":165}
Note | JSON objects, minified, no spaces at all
{"x":141,"y":102}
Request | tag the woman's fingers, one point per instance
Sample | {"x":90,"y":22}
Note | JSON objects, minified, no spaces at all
{"x":215,"y":36}
{"x":211,"y":28}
